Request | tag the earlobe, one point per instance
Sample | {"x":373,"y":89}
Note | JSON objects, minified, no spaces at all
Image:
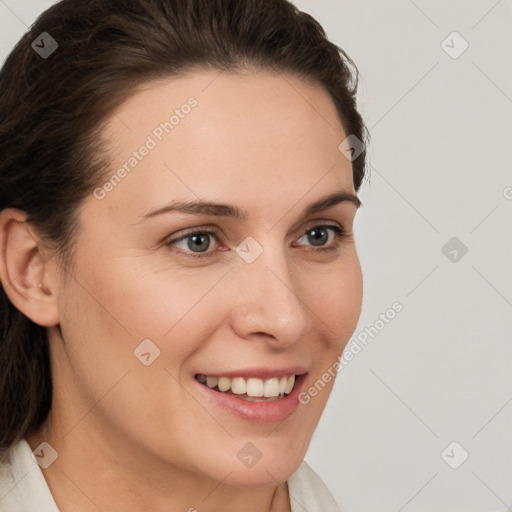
{"x":27,"y":275}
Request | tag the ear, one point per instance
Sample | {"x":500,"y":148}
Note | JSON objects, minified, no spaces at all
{"x":27,"y":273}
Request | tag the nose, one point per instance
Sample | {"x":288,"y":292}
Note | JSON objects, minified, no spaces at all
{"x":268,"y":303}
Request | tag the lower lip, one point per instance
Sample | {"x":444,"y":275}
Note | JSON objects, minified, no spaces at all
{"x":260,"y":412}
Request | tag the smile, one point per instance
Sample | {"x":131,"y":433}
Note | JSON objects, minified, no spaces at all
{"x":251,"y":389}
{"x":261,"y":395}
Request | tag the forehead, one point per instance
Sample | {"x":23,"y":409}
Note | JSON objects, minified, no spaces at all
{"x":211,"y":132}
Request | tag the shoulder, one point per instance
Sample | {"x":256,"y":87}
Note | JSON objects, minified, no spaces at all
{"x":309,"y":493}
{"x":22,"y":484}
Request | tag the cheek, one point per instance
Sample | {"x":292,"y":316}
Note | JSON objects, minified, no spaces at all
{"x":148,"y":301}
{"x":335,"y":301}
{"x":117,"y":302}
{"x":335,"y":298}
{"x":107,"y":317}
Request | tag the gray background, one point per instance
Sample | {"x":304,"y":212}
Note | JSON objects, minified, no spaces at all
{"x":440,"y":159}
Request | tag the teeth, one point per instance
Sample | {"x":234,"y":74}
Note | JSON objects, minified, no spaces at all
{"x":271,"y":387}
{"x":238,"y":386}
{"x":211,"y":382}
{"x":224,"y":383}
{"x":282,"y":384}
{"x":253,"y":388}
{"x":289,"y":384}
{"x":254,"y":399}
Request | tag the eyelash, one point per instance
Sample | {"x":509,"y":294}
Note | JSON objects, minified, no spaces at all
{"x":340,"y":235}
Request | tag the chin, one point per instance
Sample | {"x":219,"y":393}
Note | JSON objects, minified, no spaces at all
{"x":274,"y":467}
{"x":261,"y":477}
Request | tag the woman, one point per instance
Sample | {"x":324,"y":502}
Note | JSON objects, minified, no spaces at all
{"x":179,"y":275}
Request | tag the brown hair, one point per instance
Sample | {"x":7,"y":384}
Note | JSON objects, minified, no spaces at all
{"x":52,"y":108}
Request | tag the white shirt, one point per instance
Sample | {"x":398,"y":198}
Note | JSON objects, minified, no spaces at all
{"x":23,"y":487}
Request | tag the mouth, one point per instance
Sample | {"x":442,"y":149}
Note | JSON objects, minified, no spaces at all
{"x":257,"y":395}
{"x":251,"y":389}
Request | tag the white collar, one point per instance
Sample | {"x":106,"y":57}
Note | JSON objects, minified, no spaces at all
{"x":23,"y":486}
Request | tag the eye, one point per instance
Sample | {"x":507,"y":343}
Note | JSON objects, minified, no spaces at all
{"x":319,"y":235}
{"x":197,"y":242}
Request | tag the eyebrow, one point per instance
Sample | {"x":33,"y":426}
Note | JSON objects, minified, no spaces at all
{"x":225,"y":210}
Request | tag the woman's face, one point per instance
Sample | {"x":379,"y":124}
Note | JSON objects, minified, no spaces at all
{"x":271,"y":294}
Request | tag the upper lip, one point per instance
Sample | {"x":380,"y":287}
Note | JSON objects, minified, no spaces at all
{"x":262,"y":372}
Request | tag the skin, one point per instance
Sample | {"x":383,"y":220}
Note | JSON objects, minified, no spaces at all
{"x":135,"y":437}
